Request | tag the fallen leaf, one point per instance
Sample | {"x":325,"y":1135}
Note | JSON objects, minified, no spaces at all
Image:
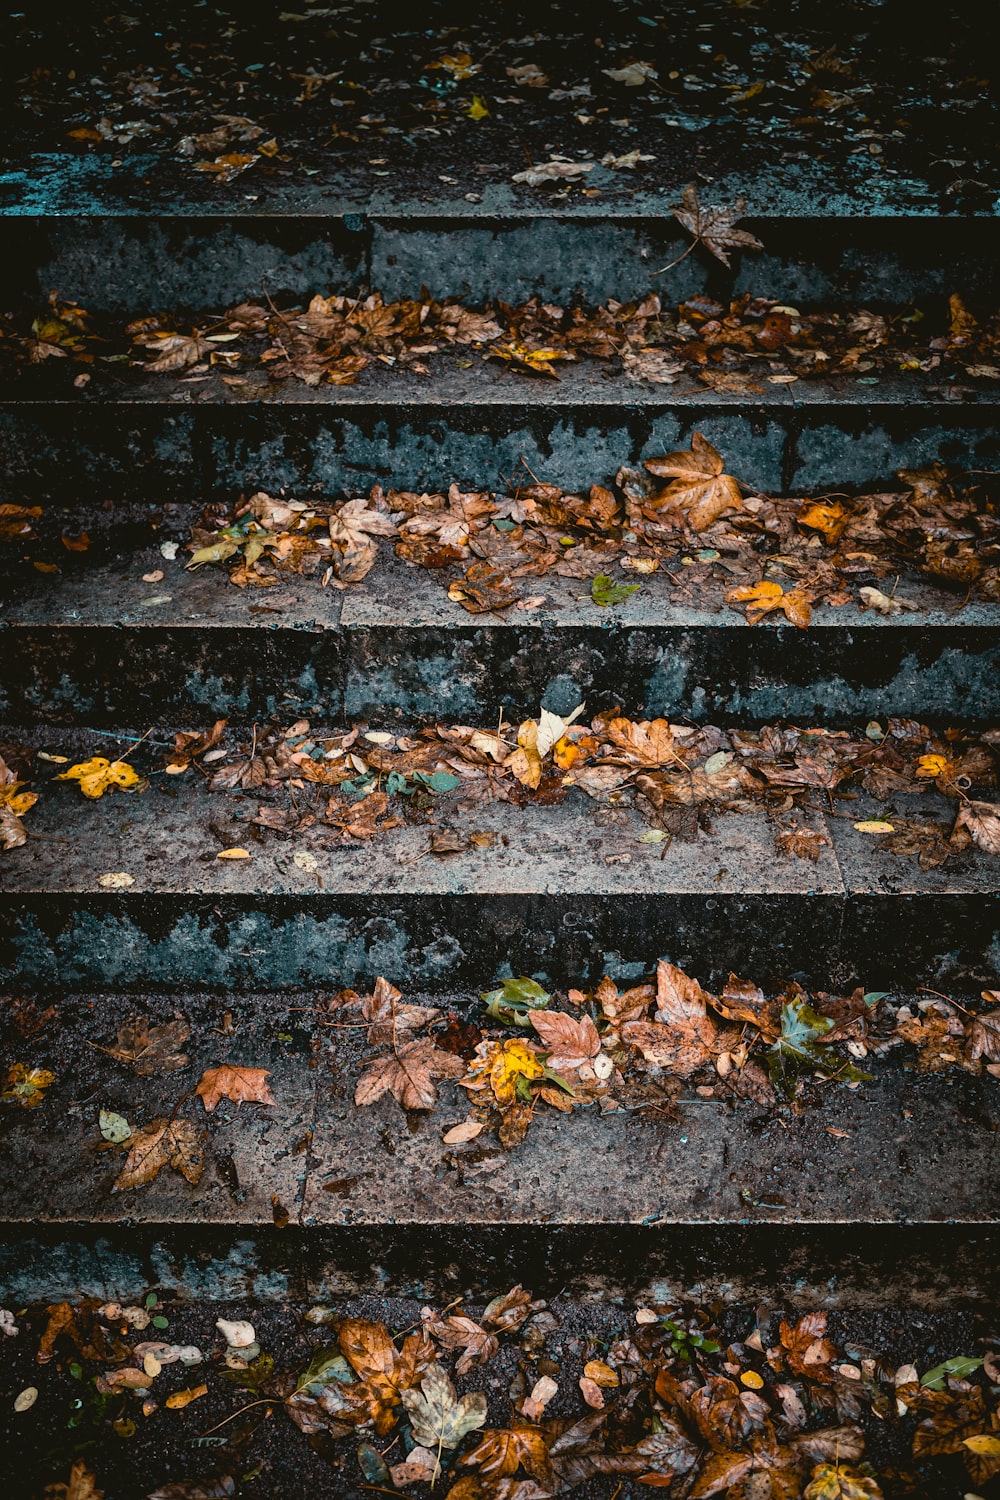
{"x":238,"y":1085}
{"x":162,"y":1143}
{"x":459,"y":1332}
{"x":151,"y":1049}
{"x":26,"y":1086}
{"x":438,"y":1417}
{"x":177,"y":1400}
{"x":765,"y":597}
{"x":82,"y":1485}
{"x":117,"y":880}
{"x":714,"y":227}
{"x":701,"y":490}
{"x":408,"y":1075}
{"x":982,"y":821}
{"x":96,"y":776}
{"x":234,"y":853}
{"x":26,"y":1399}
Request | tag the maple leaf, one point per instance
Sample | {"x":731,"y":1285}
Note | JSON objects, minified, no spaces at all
{"x":830,"y":517}
{"x":162,"y":1143}
{"x":501,"y":1451}
{"x":520,"y":357}
{"x":712,"y":227}
{"x":173,"y":351}
{"x":805,"y":1348}
{"x":96,"y":776}
{"x":647,"y":743}
{"x":26,"y":1086}
{"x":189,"y":745}
{"x":76,"y":1323}
{"x":982,"y":1034}
{"x":391,"y":1022}
{"x":701,"y":489}
{"x":151,"y":1049}
{"x":383,"y":1370}
{"x":438,"y":1416}
{"x":507,"y":1312}
{"x":82,"y":1485}
{"x":682,"y":1037}
{"x":499,"y":1066}
{"x":982,"y":821}
{"x":408,"y":1074}
{"x":459,"y":1332}
{"x":805,"y":843}
{"x":765,"y":597}
{"x":571,"y":1043}
{"x":13,"y":805}
{"x":840,"y":1482}
{"x":239,"y":1085}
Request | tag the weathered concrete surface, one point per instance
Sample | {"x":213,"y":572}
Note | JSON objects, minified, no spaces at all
{"x":723,"y":1201}
{"x":99,"y":644}
{"x":557,"y":893}
{"x":479,"y":433}
{"x":146,"y":251}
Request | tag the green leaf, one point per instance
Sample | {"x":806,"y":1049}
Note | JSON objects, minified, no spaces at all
{"x":872,"y":997}
{"x":117,"y":1129}
{"x":438,"y":781}
{"x":504,"y":525}
{"x":372,"y":1465}
{"x":159,"y":1322}
{"x":604,"y":591}
{"x":795,"y":1051}
{"x":960,"y":1366}
{"x":512,"y":1002}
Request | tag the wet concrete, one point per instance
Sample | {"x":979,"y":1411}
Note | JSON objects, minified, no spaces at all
{"x":556,"y":893}
{"x":726,"y":1200}
{"x":99,"y":644}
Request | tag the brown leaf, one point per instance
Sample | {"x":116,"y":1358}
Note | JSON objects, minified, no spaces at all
{"x":805,"y":1348}
{"x":392,"y":1022}
{"x":805,"y":843}
{"x":239,"y":1085}
{"x":982,"y":820}
{"x":503,"y":1450}
{"x":571,"y":1043}
{"x":82,"y":1485}
{"x":151,"y":1049}
{"x":408,"y":1075}
{"x":460,"y":1332}
{"x":700,"y":489}
{"x":160,"y":1144}
{"x":507,"y":1312}
{"x":713,"y":227}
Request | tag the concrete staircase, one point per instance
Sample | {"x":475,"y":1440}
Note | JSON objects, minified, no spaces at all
{"x":315,"y":1198}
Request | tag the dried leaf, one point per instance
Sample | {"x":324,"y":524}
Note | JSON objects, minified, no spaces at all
{"x":701,"y":490}
{"x":160,"y":1144}
{"x":239,"y":1085}
{"x":409,"y":1075}
{"x":151,"y":1049}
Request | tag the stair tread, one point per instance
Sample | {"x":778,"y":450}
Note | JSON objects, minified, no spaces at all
{"x":113,"y":593}
{"x":163,"y":838}
{"x":900,"y":1159}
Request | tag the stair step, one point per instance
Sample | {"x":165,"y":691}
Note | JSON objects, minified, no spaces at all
{"x":723,"y":1201}
{"x":99,"y":644}
{"x":387,"y":126}
{"x":84,"y":456}
{"x":557,"y":891}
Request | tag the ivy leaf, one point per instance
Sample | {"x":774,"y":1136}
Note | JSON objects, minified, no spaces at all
{"x":605,"y":592}
{"x":515,"y":998}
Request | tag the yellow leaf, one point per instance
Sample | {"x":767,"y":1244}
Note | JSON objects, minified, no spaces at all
{"x":875,"y":825}
{"x":511,"y":1061}
{"x":829,"y":517}
{"x":752,"y":1380}
{"x":526,"y":763}
{"x":97,"y":775}
{"x":477,"y":109}
{"x":26,"y":1086}
{"x":985,"y":1443}
{"x":932,"y":766}
{"x":184,"y":1398}
{"x":565,"y":753}
{"x":235,"y":853}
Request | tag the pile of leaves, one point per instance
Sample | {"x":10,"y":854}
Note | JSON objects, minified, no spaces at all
{"x":703,"y":531}
{"x":522,"y":1049}
{"x":355,"y":785}
{"x":737,"y":347}
{"x":667,"y":1398}
{"x":639,"y":1048}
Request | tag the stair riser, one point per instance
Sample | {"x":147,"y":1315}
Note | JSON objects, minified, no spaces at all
{"x":85,"y":457}
{"x":139,"y":264}
{"x":107,"y":676}
{"x":168,"y":941}
{"x":795,"y":1265}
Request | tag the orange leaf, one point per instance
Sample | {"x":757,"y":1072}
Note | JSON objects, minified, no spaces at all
{"x":700,"y":489}
{"x":239,"y":1085}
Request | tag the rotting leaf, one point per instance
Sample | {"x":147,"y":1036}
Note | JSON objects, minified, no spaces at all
{"x":151,"y":1049}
